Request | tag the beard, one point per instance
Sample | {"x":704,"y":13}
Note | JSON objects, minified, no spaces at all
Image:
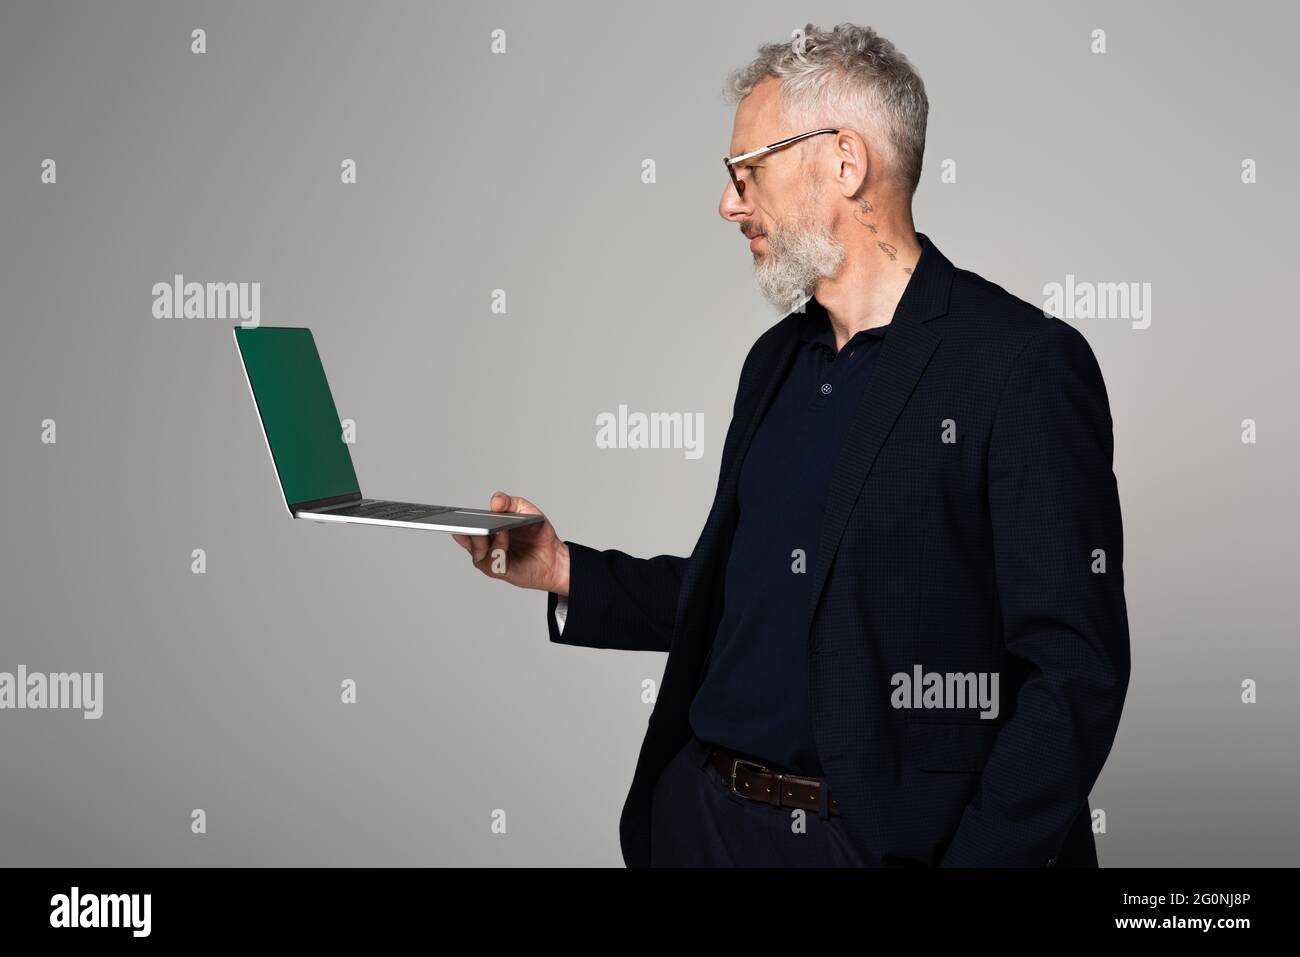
{"x":798,"y":257}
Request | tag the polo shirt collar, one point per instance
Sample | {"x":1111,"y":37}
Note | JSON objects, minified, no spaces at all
{"x":924,"y":297}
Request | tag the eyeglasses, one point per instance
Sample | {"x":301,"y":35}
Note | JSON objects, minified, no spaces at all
{"x":731,"y":161}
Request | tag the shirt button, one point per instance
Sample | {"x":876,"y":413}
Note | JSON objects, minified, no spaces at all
{"x":826,"y":388}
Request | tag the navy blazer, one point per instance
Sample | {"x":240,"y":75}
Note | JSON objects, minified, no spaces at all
{"x":972,"y":525}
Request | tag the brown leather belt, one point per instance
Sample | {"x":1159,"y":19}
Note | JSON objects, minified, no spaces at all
{"x":761,"y":783}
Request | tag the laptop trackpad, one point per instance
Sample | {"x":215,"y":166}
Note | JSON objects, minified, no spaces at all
{"x":481,"y":519}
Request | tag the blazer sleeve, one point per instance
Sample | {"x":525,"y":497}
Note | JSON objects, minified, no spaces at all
{"x":617,"y":601}
{"x":1058,"y":554}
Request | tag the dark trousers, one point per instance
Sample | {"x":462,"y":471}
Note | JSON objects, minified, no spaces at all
{"x":697,"y":822}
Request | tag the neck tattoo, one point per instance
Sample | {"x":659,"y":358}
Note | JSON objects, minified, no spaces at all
{"x":888,"y":249}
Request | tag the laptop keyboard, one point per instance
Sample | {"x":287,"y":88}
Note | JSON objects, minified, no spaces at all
{"x":392,"y":511}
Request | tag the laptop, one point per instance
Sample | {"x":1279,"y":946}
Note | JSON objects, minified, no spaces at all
{"x":300,"y":424}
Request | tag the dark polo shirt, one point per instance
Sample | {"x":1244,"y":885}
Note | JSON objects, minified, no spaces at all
{"x":755,"y":698}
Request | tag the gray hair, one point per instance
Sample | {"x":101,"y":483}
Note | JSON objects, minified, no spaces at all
{"x":850,"y":76}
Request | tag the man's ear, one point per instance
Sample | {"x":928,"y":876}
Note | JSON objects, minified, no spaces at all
{"x":853,"y":162}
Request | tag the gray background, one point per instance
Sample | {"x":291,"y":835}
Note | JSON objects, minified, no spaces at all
{"x":522,"y":172}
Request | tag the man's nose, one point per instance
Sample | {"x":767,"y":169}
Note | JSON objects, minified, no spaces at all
{"x":732,"y":207}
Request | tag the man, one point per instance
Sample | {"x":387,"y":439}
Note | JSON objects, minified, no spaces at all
{"x":901,"y":639}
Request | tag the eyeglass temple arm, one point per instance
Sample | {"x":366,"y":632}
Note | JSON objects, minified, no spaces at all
{"x":730,"y":160}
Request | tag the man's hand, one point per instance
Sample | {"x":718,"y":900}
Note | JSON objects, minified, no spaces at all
{"x":533,"y":555}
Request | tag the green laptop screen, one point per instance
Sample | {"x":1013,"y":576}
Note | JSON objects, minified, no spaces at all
{"x":302,"y":425}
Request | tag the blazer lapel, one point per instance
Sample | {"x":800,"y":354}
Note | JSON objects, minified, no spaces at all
{"x":904,"y":354}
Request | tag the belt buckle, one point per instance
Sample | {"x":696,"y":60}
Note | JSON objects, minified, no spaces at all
{"x":735,"y":765}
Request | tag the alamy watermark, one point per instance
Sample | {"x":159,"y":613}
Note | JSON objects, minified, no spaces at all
{"x":76,"y":909}
{"x":34,"y":690}
{"x":179,"y":299}
{"x":946,"y":691}
{"x":1098,"y":300}
{"x":652,"y":430}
